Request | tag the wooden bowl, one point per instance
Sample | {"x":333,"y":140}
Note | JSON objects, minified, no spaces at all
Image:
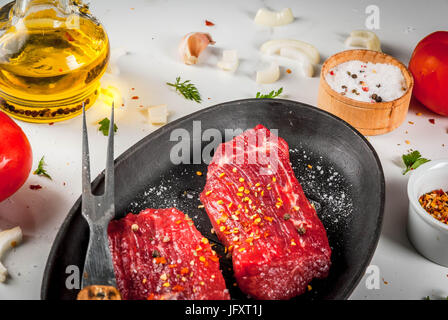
{"x":368,"y":118}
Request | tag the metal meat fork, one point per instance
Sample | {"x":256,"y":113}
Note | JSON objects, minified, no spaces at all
{"x":98,"y":281}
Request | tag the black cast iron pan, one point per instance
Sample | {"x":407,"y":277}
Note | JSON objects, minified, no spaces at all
{"x":338,"y":169}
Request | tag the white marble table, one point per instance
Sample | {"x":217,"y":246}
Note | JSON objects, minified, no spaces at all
{"x":150,"y":30}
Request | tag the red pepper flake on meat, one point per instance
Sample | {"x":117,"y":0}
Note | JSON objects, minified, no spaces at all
{"x":161,"y":260}
{"x":135,"y":97}
{"x":270,"y":223}
{"x":174,"y":271}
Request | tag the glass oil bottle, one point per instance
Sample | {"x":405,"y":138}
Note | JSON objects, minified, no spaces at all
{"x":53,"y":54}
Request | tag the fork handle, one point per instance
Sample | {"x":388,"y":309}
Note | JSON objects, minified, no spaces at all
{"x":99,"y":293}
{"x":98,"y":267}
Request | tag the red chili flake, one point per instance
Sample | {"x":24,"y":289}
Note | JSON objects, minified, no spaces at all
{"x":209,"y":23}
{"x":51,"y":123}
{"x":366,"y":89}
{"x":289,"y":71}
{"x":69,"y":37}
{"x":332,"y":72}
{"x":432,"y":121}
{"x":35,"y":187}
{"x":135,"y":97}
{"x":178,"y":288}
{"x":60,"y":70}
{"x":151,"y":296}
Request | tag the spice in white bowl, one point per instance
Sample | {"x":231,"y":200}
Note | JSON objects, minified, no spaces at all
{"x":367,"y":82}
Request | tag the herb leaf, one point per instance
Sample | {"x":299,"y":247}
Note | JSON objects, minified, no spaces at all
{"x":105,"y":125}
{"x":40,"y":171}
{"x":271,"y":95}
{"x":187,"y":89}
{"x":413,"y":160}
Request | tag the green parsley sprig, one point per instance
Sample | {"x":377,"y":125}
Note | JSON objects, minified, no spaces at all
{"x":41,"y":171}
{"x":413,"y":160}
{"x":187,"y":89}
{"x":271,"y":95}
{"x":105,"y":125}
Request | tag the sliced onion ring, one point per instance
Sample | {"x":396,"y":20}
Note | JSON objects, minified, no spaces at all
{"x":269,"y":18}
{"x":270,"y":75}
{"x":8,"y":240}
{"x":306,"y":66}
{"x":274,"y":46}
{"x":365,"y":39}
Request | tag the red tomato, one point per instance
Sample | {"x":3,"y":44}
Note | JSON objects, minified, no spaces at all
{"x":429,"y":65}
{"x":16,"y":157}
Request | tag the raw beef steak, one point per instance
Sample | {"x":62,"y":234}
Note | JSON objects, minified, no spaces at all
{"x":159,"y":254}
{"x":260,"y":213}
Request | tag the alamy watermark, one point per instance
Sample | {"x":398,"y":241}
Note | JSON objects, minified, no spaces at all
{"x":373,"y":17}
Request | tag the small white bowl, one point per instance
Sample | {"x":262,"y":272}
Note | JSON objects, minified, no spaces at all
{"x":428,"y":235}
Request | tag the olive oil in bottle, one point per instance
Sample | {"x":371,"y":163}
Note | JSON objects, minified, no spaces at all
{"x":52,"y":56}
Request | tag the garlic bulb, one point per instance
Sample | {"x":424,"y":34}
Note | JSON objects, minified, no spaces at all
{"x":270,"y":75}
{"x":365,"y":39}
{"x":192,"y":46}
{"x":269,"y":18}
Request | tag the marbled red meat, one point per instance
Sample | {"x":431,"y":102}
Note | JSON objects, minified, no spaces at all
{"x":160,"y":255}
{"x":261,"y":214}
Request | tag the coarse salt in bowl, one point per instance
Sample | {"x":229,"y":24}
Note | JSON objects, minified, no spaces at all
{"x":368,"y":89}
{"x":368,"y":82}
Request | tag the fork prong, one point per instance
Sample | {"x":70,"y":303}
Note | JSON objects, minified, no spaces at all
{"x":110,"y":181}
{"x":86,"y":184}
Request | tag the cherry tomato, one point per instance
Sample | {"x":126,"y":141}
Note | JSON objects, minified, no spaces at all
{"x":429,"y":66}
{"x":16,"y":157}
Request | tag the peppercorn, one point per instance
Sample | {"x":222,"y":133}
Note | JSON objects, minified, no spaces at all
{"x":155,"y":254}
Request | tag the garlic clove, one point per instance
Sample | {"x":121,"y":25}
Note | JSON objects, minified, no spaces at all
{"x":365,"y":39}
{"x":306,"y":66}
{"x":158,"y":115}
{"x":274,"y":46}
{"x":230,"y":61}
{"x":269,"y":18}
{"x":192,"y":46}
{"x":270,"y":75}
